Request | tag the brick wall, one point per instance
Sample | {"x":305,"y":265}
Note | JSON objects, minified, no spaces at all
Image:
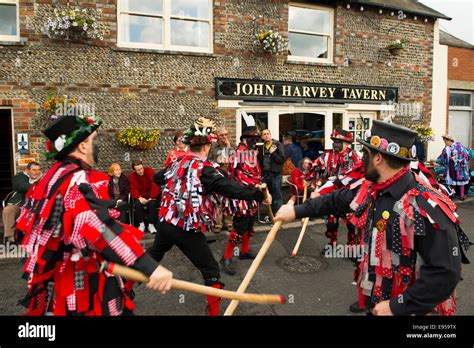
{"x":168,"y":90}
{"x":460,"y":64}
{"x":461,"y":68}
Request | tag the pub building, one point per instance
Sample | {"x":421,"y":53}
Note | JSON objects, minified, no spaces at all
{"x":159,"y":64}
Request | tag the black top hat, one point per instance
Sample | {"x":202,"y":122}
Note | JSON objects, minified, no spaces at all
{"x":392,"y":140}
{"x":250,"y":132}
{"x":342,"y":135}
{"x":66,"y":132}
{"x":200,"y":133}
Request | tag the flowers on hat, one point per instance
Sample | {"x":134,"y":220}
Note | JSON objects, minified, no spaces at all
{"x":85,"y":124}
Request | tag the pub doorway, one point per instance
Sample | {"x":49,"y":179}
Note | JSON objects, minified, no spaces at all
{"x":307,"y":130}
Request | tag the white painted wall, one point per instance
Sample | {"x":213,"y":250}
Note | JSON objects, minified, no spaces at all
{"x":440,"y":91}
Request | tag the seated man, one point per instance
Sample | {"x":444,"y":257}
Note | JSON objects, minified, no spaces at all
{"x":21,"y":183}
{"x":301,"y":176}
{"x":145,"y":193}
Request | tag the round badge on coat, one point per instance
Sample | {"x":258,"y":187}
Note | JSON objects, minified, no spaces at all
{"x":385,"y":215}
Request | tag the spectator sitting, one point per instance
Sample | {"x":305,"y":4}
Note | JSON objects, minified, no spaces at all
{"x":292,"y":151}
{"x":145,"y":193}
{"x":179,"y":151}
{"x":21,"y":183}
{"x":119,"y":189}
{"x":299,"y":177}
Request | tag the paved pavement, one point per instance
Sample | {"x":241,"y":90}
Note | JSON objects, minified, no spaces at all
{"x":312,"y":285}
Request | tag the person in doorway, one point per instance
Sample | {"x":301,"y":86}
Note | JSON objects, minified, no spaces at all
{"x":292,"y":151}
{"x":272,"y":159}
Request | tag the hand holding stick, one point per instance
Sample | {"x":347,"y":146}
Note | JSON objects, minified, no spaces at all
{"x":266,"y":196}
{"x":132,"y":274}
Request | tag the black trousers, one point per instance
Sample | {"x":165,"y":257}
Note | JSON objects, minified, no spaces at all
{"x":123,"y":209}
{"x":152,"y":211}
{"x":243,"y":224}
{"x":193,"y":245}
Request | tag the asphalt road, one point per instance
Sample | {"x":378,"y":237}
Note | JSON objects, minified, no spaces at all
{"x":312,"y":284}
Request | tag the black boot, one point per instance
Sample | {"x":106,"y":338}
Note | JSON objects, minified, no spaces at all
{"x":354,"y":308}
{"x":227,"y":266}
{"x":247,"y":256}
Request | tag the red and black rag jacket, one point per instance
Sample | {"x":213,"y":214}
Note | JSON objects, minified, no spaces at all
{"x":69,"y":228}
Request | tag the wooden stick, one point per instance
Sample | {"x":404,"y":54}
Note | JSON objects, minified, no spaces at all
{"x":303,"y":229}
{"x":305,"y":193}
{"x":269,"y":207}
{"x":132,"y":274}
{"x":300,"y":237}
{"x":255,"y":264}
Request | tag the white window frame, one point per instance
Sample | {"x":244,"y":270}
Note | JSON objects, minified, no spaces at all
{"x":166,"y":39}
{"x":469,"y":109}
{"x":329,"y":59}
{"x":461,"y":108}
{"x":12,"y":38}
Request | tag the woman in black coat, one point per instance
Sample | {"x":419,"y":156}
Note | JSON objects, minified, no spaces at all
{"x":119,"y":188}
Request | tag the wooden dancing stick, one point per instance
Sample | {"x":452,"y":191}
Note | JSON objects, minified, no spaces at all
{"x":303,"y":229}
{"x":265,"y":192}
{"x":305,"y":193}
{"x":255,"y":264}
{"x":132,"y":274}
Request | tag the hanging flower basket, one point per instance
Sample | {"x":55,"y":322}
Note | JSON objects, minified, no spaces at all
{"x":56,"y":106}
{"x":424,"y":133}
{"x":75,"y":23}
{"x":140,"y":139}
{"x":395,"y":51}
{"x":271,"y":42}
{"x":396,"y":47}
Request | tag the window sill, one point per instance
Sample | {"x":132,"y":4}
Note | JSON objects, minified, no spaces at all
{"x":159,"y":51}
{"x":12,"y":43}
{"x":305,"y":62}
